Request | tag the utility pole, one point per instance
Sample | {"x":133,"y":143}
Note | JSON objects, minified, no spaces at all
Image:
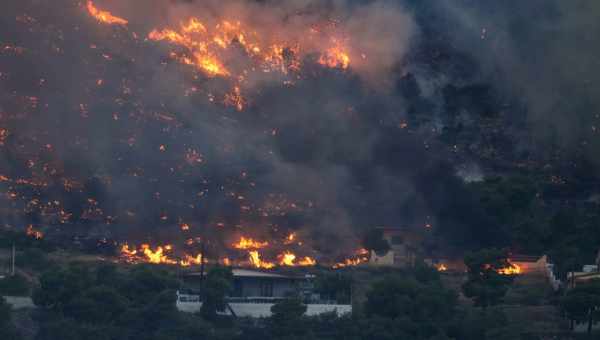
{"x":12,"y":271}
{"x":203,"y":252}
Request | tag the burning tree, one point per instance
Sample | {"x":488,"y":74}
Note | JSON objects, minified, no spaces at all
{"x":489,"y":275}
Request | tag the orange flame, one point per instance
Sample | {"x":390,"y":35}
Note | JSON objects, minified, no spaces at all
{"x":307,"y":262}
{"x":255,"y":260}
{"x":287,"y":259}
{"x":157,"y":256}
{"x":205,"y":46}
{"x":248,"y":243}
{"x":235,"y":99}
{"x":335,"y":58}
{"x":290,"y":238}
{"x":361,"y":256}
{"x":513,"y":269}
{"x":104,"y":16}
{"x":189,"y":260}
{"x":38,"y":235}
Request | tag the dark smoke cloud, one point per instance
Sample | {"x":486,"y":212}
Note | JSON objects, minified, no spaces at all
{"x":542,"y":52}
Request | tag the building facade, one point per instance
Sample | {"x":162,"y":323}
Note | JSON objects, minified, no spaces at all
{"x":255,"y":292}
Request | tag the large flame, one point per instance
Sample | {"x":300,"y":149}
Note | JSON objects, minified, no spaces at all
{"x":104,"y":16}
{"x":157,"y":256}
{"x":256,"y":261}
{"x":248,"y":243}
{"x":166,"y":255}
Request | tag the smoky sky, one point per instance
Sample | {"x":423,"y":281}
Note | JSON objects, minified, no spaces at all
{"x":542,"y":52}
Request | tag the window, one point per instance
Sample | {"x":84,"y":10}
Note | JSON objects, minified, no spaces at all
{"x":238,"y":288}
{"x":266,"y":288}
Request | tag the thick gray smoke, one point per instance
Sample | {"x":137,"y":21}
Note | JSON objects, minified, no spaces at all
{"x":543,"y":52}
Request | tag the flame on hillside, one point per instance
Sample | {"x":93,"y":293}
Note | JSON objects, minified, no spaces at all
{"x":215,"y":51}
{"x":104,"y":16}
{"x":361,"y":256}
{"x":248,"y":243}
{"x":256,"y":261}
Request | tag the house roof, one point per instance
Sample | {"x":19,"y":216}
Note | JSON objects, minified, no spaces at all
{"x":255,"y":273}
{"x":238,"y":272}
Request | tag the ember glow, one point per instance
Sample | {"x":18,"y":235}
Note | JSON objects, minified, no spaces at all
{"x":38,"y":235}
{"x":104,"y":16}
{"x":513,"y":269}
{"x":361,"y":256}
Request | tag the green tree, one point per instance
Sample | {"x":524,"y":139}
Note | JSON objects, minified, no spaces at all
{"x":216,"y":286}
{"x":420,"y":309}
{"x":335,"y":286}
{"x":485,"y":284}
{"x":7,"y":329}
{"x":57,"y":288}
{"x":100,"y":305}
{"x":15,"y":285}
{"x":287,"y":318}
{"x":33,"y":258}
{"x":582,"y":303}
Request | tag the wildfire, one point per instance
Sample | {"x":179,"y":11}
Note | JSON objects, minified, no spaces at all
{"x":290,"y":238}
{"x":205,"y":48}
{"x":235,"y":99}
{"x":189,"y":260}
{"x":214,"y":50}
{"x":287,"y":259}
{"x":104,"y":16}
{"x":255,"y":260}
{"x":335,"y":58}
{"x":160,"y":255}
{"x":248,"y":243}
{"x":442,"y":267}
{"x":157,"y":256}
{"x":307,"y":262}
{"x":200,"y":53}
{"x":126,"y":251}
{"x":513,"y":269}
{"x":38,"y":235}
{"x":360,"y":256}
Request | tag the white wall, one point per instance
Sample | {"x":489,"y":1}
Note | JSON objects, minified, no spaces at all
{"x":18,"y":302}
{"x":257,"y":310}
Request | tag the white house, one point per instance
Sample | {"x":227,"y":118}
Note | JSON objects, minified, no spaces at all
{"x":255,"y":292}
